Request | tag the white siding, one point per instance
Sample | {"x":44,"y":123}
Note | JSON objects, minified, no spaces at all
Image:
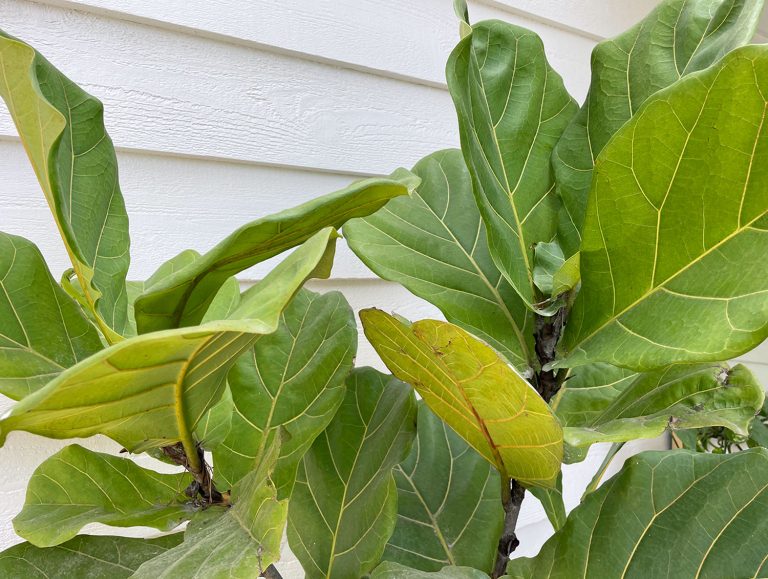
{"x":223,"y":111}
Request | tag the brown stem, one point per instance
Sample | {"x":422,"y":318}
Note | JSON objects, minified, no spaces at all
{"x":513,"y":494}
{"x":203,"y":484}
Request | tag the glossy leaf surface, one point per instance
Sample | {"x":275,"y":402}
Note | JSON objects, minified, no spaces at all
{"x":63,"y":132}
{"x":475,"y":392}
{"x":677,"y":38}
{"x":434,"y":243}
{"x":42,"y":330}
{"x":665,"y":514}
{"x":676,"y":231}
{"x":344,"y":504}
{"x":448,"y":502}
{"x":512,"y":108}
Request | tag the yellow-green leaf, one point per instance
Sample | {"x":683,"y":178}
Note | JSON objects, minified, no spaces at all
{"x":475,"y":392}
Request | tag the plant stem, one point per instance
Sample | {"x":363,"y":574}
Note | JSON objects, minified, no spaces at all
{"x":512,"y":497}
{"x":199,"y":470}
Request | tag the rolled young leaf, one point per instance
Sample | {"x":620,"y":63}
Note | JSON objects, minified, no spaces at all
{"x":182,"y":299}
{"x":84,"y":556}
{"x":239,"y":542}
{"x":77,"y":486}
{"x":449,"y":508}
{"x":291,"y":380}
{"x":677,"y":397}
{"x":677,"y":38}
{"x":434,"y":243}
{"x":665,"y":514}
{"x":344,"y":505}
{"x":475,"y":392}
{"x":63,"y":132}
{"x":512,"y":108}
{"x":42,"y":330}
{"x":677,"y":227}
{"x":154,"y":389}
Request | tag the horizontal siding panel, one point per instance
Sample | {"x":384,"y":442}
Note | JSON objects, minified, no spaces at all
{"x":399,"y":38}
{"x":173,"y":204}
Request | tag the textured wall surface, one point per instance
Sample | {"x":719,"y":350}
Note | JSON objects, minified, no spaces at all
{"x":223,"y":111}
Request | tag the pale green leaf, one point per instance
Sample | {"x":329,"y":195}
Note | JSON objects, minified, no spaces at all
{"x":677,"y":38}
{"x":388,"y":570}
{"x":152,"y":390}
{"x":669,"y":515}
{"x":434,"y":243}
{"x":552,"y":502}
{"x":568,"y":276}
{"x":471,"y":388}
{"x":62,"y":129}
{"x":672,"y":261}
{"x":344,"y":504}
{"x":77,"y":486}
{"x":239,"y":542}
{"x":512,"y":107}
{"x":449,"y":509}
{"x":84,"y":557}
{"x":42,"y":330}
{"x":548,"y":259}
{"x":291,"y":380}
{"x":214,"y":427}
{"x":182,"y":299}
{"x":677,"y":397}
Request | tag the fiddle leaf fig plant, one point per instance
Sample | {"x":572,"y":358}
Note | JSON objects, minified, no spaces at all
{"x":598,"y":268}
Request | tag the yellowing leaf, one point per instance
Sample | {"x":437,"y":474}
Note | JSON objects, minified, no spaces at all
{"x":471,"y":388}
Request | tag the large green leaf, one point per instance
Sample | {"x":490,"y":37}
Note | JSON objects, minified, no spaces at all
{"x":389,"y":570}
{"x":152,"y":390}
{"x":434,"y":243}
{"x":672,"y":262}
{"x":667,"y":514}
{"x":677,"y":38}
{"x":292,"y":380}
{"x":182,"y":299}
{"x":84,"y":556}
{"x":449,"y":508}
{"x":42,"y":330}
{"x":677,"y":397}
{"x":344,"y":505}
{"x":62,"y":129}
{"x":588,"y":391}
{"x":77,"y":486}
{"x":239,"y":542}
{"x":512,"y":108}
{"x":471,"y":388}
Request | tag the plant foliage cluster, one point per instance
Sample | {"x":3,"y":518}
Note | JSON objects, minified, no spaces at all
{"x":597,"y":265}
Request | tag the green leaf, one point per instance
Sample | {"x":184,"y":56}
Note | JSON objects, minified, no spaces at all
{"x":84,"y":556}
{"x":42,"y":330}
{"x":239,"y":542}
{"x":552,"y":502}
{"x":434,"y":243}
{"x":182,"y":299}
{"x":449,"y":508}
{"x":588,"y":391}
{"x":666,"y":514}
{"x":512,"y":107}
{"x":291,"y":380}
{"x":154,"y":389}
{"x":77,"y":486}
{"x":548,"y":259}
{"x":214,"y":427}
{"x":677,"y":397}
{"x":62,"y":129}
{"x":344,"y":505}
{"x":568,"y":276}
{"x":471,"y":388}
{"x":388,"y":570}
{"x":677,"y":38}
{"x":672,"y":262}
